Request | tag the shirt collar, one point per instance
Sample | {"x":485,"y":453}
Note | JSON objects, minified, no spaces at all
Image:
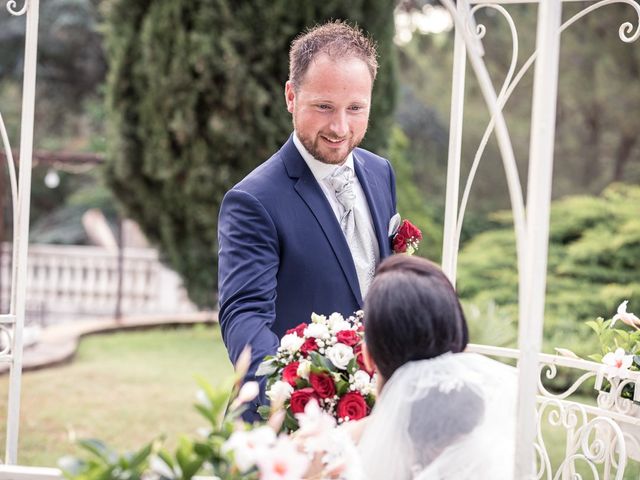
{"x":319,"y":169}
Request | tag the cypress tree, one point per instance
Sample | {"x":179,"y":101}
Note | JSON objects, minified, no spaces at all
{"x":195,"y":100}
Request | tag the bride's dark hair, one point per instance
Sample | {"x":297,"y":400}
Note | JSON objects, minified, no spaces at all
{"x":411,"y":312}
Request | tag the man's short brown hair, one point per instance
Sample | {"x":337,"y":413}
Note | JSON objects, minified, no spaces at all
{"x":336,"y":39}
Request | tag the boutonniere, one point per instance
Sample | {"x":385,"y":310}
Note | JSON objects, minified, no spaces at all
{"x":405,"y":236}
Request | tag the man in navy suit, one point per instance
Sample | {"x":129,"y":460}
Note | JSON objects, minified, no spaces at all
{"x":305,"y":230}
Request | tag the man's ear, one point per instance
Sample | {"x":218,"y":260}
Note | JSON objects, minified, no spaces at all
{"x":289,"y":95}
{"x":368,"y":361}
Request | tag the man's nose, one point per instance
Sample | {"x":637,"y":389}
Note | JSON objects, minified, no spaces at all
{"x":339,"y":124}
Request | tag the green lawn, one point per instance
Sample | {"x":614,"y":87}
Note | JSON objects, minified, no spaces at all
{"x":125,"y":388}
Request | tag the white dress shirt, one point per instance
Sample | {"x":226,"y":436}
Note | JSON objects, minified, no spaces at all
{"x":321,"y":171}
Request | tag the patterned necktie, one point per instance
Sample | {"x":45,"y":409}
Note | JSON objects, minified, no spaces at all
{"x":354,"y":225}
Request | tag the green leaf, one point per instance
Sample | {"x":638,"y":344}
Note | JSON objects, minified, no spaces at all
{"x":99,"y":449}
{"x":267,"y":367}
{"x":264,"y":411}
{"x":342,"y":387}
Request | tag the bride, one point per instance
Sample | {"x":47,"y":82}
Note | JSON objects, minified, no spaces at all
{"x":441,"y":413}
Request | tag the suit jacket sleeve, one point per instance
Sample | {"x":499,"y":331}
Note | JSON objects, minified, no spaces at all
{"x":248,"y":261}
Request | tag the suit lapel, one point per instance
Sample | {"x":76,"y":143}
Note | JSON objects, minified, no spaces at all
{"x":307,"y":187}
{"x":371,"y":186}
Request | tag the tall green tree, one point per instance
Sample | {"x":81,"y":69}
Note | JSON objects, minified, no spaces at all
{"x":195,"y":101}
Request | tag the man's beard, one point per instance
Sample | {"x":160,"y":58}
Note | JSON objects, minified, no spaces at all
{"x":313,"y":148}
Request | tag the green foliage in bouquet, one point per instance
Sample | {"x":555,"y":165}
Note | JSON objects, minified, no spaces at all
{"x":195,"y":101}
{"x":593,"y":264}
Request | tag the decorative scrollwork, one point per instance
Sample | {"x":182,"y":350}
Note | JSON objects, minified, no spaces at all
{"x":480,"y":32}
{"x":510,"y":84}
{"x":593,"y":442}
{"x":550,"y":371}
{"x":625,"y":29}
{"x":11,"y":7}
{"x":613,"y":400}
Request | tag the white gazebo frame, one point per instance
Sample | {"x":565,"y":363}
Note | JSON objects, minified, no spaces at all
{"x":531,"y":223}
{"x":12,"y":323}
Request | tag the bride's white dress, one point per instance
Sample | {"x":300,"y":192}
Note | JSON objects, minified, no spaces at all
{"x":450,"y":417}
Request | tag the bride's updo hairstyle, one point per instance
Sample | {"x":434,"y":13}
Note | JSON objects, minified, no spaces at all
{"x":411,"y":313}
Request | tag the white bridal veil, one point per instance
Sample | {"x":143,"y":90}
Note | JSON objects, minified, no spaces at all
{"x":450,"y":417}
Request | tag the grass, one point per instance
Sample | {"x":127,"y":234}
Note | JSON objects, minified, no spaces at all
{"x":124,"y":388}
{"x":128,"y":388}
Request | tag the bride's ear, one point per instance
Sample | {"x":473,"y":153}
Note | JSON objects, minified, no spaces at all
{"x":366,"y":357}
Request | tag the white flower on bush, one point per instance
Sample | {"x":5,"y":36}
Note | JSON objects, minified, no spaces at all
{"x":283,"y":461}
{"x":279,"y":392}
{"x":203,"y":399}
{"x":317,"y":330}
{"x":249,"y":446}
{"x":248,"y":392}
{"x":362,"y":382}
{"x":625,"y":317}
{"x":617,"y":363}
{"x":304,"y":368}
{"x":291,"y":343}
{"x":340,"y":355}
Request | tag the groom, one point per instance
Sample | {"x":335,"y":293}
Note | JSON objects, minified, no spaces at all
{"x":305,"y":230}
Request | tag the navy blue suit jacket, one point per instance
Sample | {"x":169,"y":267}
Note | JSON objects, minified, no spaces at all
{"x":282,"y":254}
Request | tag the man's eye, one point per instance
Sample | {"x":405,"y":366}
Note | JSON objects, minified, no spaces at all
{"x":356,"y":108}
{"x":324,"y":106}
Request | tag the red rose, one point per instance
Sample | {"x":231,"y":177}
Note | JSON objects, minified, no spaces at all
{"x":409,"y":230}
{"x":322,"y":384}
{"x":299,"y":330}
{"x":309,"y":345}
{"x":290,"y":373}
{"x":352,"y":405}
{"x":348,"y":337}
{"x":300,"y":398}
{"x":399,"y":243}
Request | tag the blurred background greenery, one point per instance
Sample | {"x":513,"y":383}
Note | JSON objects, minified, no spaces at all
{"x":175,"y":101}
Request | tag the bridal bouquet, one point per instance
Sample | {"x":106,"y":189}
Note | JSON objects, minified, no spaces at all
{"x":322,"y":361}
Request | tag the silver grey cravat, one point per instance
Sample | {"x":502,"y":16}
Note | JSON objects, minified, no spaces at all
{"x":354,"y":225}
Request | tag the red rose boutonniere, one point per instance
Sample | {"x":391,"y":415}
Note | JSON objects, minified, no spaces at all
{"x":406,"y":238}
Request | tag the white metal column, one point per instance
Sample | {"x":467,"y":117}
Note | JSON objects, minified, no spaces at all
{"x":533,"y":277}
{"x":449,"y":243}
{"x":21,"y":230}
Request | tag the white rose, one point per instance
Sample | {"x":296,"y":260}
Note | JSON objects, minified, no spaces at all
{"x":315,"y":318}
{"x":362,"y":382}
{"x":340,"y":355}
{"x":339,"y":326}
{"x":291,"y":343}
{"x":304,"y":367}
{"x":279,"y":392}
{"x":317,"y":330}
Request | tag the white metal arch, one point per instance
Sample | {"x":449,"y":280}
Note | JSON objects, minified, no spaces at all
{"x":12,"y":322}
{"x":531,"y":220}
{"x":531,"y":225}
